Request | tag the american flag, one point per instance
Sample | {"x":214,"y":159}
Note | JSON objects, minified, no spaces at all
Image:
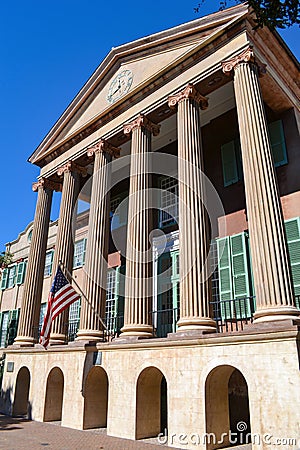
{"x":61,"y":296}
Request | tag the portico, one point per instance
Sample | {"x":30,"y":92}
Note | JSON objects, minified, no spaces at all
{"x":176,"y":96}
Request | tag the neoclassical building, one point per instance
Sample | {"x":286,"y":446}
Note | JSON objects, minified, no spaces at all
{"x":185,"y":145}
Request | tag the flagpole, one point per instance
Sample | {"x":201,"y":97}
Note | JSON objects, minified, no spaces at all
{"x":61,"y":264}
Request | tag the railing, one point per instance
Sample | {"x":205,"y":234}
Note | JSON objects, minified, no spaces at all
{"x":234,"y":314}
{"x":230,"y":315}
{"x":164,"y":321}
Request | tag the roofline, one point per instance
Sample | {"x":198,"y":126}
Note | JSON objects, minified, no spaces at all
{"x":138,"y":44}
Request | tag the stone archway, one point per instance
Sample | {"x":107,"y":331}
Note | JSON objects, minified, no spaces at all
{"x":54,"y":396}
{"x":227,"y":408}
{"x":21,"y":406}
{"x":151,"y":403}
{"x":95,"y":399}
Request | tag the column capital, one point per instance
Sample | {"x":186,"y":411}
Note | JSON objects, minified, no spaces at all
{"x":188,"y":92}
{"x":141,"y":122}
{"x":71,"y":166}
{"x":247,"y":56}
{"x":46,"y":184}
{"x":103,"y":146}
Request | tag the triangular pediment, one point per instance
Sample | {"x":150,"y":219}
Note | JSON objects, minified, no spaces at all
{"x":128,"y":69}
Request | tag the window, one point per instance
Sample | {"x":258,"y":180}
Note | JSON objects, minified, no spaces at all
{"x":4,"y":320}
{"x":42,"y":315}
{"x":74,"y":317}
{"x":168,"y":202}
{"x":4,"y":277}
{"x":13,"y":326}
{"x":21,"y":272}
{"x":48,"y":263}
{"x":111,"y":298}
{"x":167,"y":314}
{"x":79,"y":253}
{"x":11,"y":276}
{"x":235,"y":279}
{"x":118,"y":211}
{"x":292,"y":228}
{"x":232,"y":160}
{"x":278,"y":143}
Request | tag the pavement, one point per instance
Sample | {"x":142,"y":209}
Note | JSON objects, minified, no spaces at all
{"x":23,"y":434}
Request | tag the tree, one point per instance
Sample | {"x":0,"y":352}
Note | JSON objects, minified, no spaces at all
{"x":5,"y":259}
{"x":273,"y":13}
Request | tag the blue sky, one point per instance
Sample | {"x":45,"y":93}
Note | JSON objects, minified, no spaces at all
{"x":49,"y":50}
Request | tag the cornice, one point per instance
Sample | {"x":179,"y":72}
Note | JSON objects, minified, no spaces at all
{"x":228,"y":17}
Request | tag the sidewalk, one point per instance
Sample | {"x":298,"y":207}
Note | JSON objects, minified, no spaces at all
{"x":22,"y":434}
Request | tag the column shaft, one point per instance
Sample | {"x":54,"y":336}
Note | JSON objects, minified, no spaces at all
{"x":138,"y":283}
{"x":64,"y":247}
{"x":93,"y":307}
{"x":33,"y":285}
{"x":195,"y":284}
{"x":271,"y":268}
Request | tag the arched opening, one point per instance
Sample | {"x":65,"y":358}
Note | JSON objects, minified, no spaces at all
{"x":21,"y":406}
{"x":54,"y":396}
{"x":227,"y":408}
{"x":151,"y":404}
{"x":95,"y":399}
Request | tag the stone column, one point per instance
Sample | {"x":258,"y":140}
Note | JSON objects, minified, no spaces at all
{"x":64,"y":247}
{"x":271,"y":268}
{"x":33,"y":285}
{"x":97,"y":244}
{"x":138,"y":283}
{"x":195,"y":284}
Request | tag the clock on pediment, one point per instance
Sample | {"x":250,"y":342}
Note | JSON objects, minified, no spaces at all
{"x":119,"y":86}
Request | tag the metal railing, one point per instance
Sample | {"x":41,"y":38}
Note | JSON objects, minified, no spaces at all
{"x":230,"y":315}
{"x":234,"y":314}
{"x":164,"y":321}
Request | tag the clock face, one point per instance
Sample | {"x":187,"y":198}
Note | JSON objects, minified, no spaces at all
{"x":119,"y":86}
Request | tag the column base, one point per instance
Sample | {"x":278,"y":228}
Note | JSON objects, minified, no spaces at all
{"x":89,"y":335}
{"x":277,"y":313}
{"x":145,"y":331}
{"x":198,"y":324}
{"x":57,"y":339}
{"x":24,"y":341}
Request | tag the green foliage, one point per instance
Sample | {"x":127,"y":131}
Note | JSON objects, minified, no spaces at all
{"x":273,"y":13}
{"x":5,"y":258}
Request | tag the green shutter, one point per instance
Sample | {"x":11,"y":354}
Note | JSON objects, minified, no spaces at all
{"x":225,"y":276}
{"x":278,"y":143}
{"x":4,"y":279}
{"x":292,"y":228}
{"x":21,"y":272}
{"x":229,"y":163}
{"x":240,"y":276}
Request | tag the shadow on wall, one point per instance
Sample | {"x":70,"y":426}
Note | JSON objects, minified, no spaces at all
{"x":6,"y":401}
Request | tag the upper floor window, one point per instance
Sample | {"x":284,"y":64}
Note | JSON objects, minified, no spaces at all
{"x":168,"y":214}
{"x":232,"y":160}
{"x":11,"y":276}
{"x":118,"y":211}
{"x":48,"y":263}
{"x":79,"y":253}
